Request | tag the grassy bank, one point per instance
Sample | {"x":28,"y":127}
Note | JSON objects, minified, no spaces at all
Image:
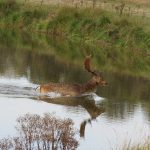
{"x":119,"y":43}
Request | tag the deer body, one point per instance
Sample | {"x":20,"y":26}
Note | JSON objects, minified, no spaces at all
{"x":75,"y":89}
{"x":69,"y":89}
{"x":63,"y":89}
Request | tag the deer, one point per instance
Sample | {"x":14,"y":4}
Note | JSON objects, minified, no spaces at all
{"x":76,"y":89}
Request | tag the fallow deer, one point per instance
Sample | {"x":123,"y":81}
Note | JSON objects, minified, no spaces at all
{"x":76,"y":89}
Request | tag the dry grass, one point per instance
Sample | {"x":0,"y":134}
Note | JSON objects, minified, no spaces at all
{"x":134,"y":7}
{"x":140,"y":1}
{"x":36,"y":132}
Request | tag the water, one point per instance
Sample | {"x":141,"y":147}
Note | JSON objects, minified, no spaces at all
{"x":112,"y":118}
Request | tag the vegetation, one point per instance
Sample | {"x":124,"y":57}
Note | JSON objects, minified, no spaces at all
{"x":119,"y":43}
{"x":47,"y":132}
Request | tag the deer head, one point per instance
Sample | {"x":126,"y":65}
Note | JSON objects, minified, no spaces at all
{"x":97,"y":76}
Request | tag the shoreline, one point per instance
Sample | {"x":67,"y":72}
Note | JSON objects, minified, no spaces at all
{"x":104,"y":34}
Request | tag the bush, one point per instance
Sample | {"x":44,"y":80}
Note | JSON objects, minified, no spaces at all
{"x":8,"y":6}
{"x":141,"y":36}
{"x":36,"y":132}
{"x":104,"y":20}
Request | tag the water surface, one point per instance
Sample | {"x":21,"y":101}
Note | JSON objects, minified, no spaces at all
{"x":119,"y":115}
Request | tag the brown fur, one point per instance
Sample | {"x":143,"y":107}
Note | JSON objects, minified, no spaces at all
{"x":76,"y":89}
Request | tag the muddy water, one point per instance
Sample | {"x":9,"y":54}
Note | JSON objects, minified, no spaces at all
{"x":115,"y":117}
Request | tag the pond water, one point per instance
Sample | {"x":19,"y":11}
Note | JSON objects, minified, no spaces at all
{"x":116,"y":117}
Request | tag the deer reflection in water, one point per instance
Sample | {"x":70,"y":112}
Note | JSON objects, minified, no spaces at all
{"x":42,"y":133}
{"x":90,"y":106}
{"x":94,"y":111}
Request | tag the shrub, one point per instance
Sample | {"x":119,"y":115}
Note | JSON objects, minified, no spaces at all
{"x":36,"y":132}
{"x":8,"y":6}
{"x":104,"y":20}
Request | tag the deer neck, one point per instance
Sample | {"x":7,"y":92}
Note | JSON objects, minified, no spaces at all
{"x":90,"y":86}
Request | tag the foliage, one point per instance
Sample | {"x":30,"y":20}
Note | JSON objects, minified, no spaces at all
{"x":47,"y":132}
{"x":120,"y":43}
{"x":8,"y":6}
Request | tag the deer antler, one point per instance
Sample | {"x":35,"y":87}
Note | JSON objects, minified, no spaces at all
{"x":87,"y":65}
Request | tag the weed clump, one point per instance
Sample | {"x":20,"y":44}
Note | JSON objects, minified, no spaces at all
{"x":8,"y":6}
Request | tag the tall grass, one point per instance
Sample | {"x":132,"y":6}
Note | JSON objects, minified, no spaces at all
{"x":8,"y":6}
{"x":121,"y":42}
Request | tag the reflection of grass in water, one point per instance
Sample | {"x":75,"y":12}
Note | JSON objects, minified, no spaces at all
{"x":105,"y":57}
{"x":103,"y":33}
{"x":134,"y":141}
{"x":145,"y":146}
{"x":47,"y":132}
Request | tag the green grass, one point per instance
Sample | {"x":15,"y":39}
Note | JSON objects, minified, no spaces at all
{"x":119,"y":43}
